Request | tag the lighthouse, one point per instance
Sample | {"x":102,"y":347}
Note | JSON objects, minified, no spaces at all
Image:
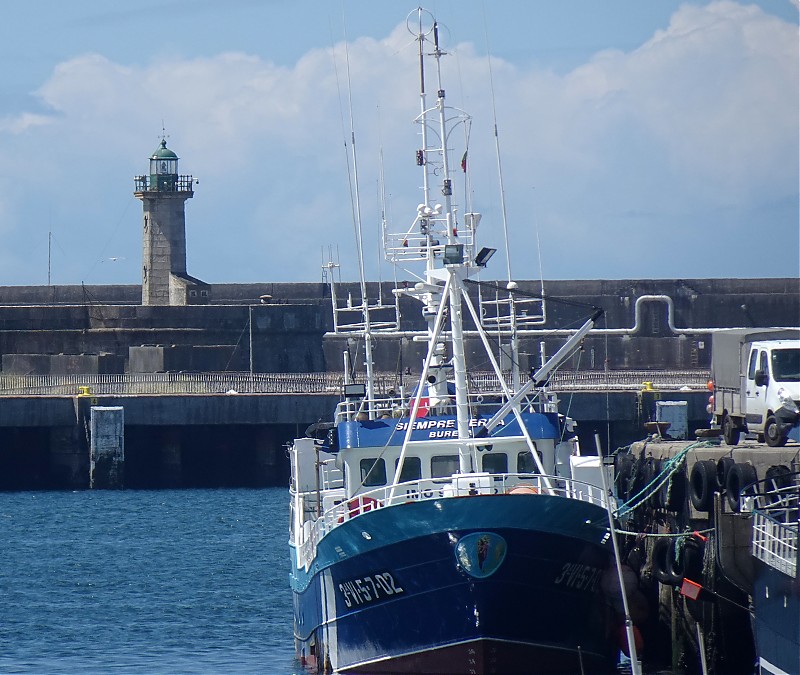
{"x":164,"y":193}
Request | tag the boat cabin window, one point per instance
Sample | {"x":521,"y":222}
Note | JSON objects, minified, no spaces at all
{"x":443,"y":466}
{"x":526,"y":463}
{"x":373,"y":471}
{"x":495,"y":462}
{"x":412,"y":469}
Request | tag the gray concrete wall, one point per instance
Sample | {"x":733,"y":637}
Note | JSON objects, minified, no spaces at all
{"x":285,"y":338}
{"x":287,"y":331}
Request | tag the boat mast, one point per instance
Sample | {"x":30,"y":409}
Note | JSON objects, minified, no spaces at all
{"x":370,"y":383}
{"x":454,"y":268}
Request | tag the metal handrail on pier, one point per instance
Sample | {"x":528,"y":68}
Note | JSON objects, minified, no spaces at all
{"x":165,"y":384}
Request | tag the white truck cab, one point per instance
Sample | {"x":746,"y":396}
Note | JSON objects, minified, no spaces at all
{"x":756,"y":376}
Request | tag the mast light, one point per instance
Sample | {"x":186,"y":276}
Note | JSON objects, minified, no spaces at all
{"x":484,"y":255}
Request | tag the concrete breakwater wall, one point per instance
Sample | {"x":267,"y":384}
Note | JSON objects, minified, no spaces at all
{"x":285,"y":328}
{"x":225,"y":440}
{"x":275,"y":327}
{"x":232,"y":438}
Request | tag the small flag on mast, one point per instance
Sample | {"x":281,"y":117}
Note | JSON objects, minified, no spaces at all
{"x":464,"y":162}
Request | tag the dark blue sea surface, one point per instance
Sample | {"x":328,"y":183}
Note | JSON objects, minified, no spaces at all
{"x":189,"y":581}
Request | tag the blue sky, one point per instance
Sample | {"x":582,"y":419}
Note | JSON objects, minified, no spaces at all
{"x":638,"y":139}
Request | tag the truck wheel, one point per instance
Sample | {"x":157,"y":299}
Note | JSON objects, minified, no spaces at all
{"x":730,"y":432}
{"x":773,"y":434}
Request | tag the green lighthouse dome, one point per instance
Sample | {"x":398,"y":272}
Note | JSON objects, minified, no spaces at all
{"x":163,"y":152}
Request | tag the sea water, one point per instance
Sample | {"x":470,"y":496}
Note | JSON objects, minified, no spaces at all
{"x":170,"y":581}
{"x":190,"y":581}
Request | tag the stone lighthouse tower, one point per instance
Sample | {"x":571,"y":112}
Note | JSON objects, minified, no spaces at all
{"x":164,"y":193}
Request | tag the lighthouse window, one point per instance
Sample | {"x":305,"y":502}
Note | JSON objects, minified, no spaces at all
{"x":444,"y":465}
{"x":412,"y":469}
{"x":373,"y":471}
{"x":496,"y":462}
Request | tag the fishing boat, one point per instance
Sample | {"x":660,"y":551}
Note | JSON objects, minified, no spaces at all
{"x":454,"y":527}
{"x":776,"y":585}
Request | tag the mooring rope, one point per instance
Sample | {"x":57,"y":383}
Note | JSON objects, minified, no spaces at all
{"x":673,"y":464}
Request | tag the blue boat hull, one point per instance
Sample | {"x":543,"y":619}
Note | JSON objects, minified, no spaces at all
{"x":487,"y":584}
{"x":776,"y":620}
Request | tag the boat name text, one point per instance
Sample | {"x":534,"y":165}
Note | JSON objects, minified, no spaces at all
{"x":578,"y":576}
{"x":440,"y":428}
{"x":369,"y":588}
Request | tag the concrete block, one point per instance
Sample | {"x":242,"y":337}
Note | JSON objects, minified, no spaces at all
{"x":106,"y":447}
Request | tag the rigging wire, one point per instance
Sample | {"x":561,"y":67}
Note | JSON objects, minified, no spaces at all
{"x":529,"y":294}
{"x":497,"y":149}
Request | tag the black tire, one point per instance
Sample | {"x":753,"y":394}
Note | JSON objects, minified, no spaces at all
{"x":676,"y":491}
{"x":637,"y":480}
{"x":730,"y":432}
{"x":663,"y":561}
{"x":702,"y":483}
{"x":662,"y":494}
{"x":623,"y":470}
{"x":642,"y":477}
{"x":773,"y":434}
{"x":691,"y":559}
{"x":724,"y":465}
{"x":700,"y":609}
{"x":741,"y":481}
{"x":652,"y":469}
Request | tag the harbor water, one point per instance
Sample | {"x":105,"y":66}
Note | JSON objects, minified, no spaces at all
{"x":135,"y":581}
{"x":191,"y":581}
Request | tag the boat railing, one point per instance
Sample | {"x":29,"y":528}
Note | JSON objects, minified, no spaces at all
{"x":406,"y":246}
{"x":780,"y":503}
{"x":332,"y":476}
{"x":459,"y":485}
{"x":482,"y":405}
{"x":507,"y":312}
{"x":775,"y":542}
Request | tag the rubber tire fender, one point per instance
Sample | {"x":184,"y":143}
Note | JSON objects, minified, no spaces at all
{"x":662,"y":562}
{"x":702,"y":484}
{"x":661,"y":495}
{"x":724,"y":465}
{"x":672,"y":493}
{"x":741,"y":480}
{"x":650,"y":472}
{"x":689,"y":561}
{"x":624,"y":470}
{"x":676,"y":491}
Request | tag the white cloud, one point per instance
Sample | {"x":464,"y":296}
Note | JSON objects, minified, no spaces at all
{"x":693,"y":131}
{"x":22,"y":123}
